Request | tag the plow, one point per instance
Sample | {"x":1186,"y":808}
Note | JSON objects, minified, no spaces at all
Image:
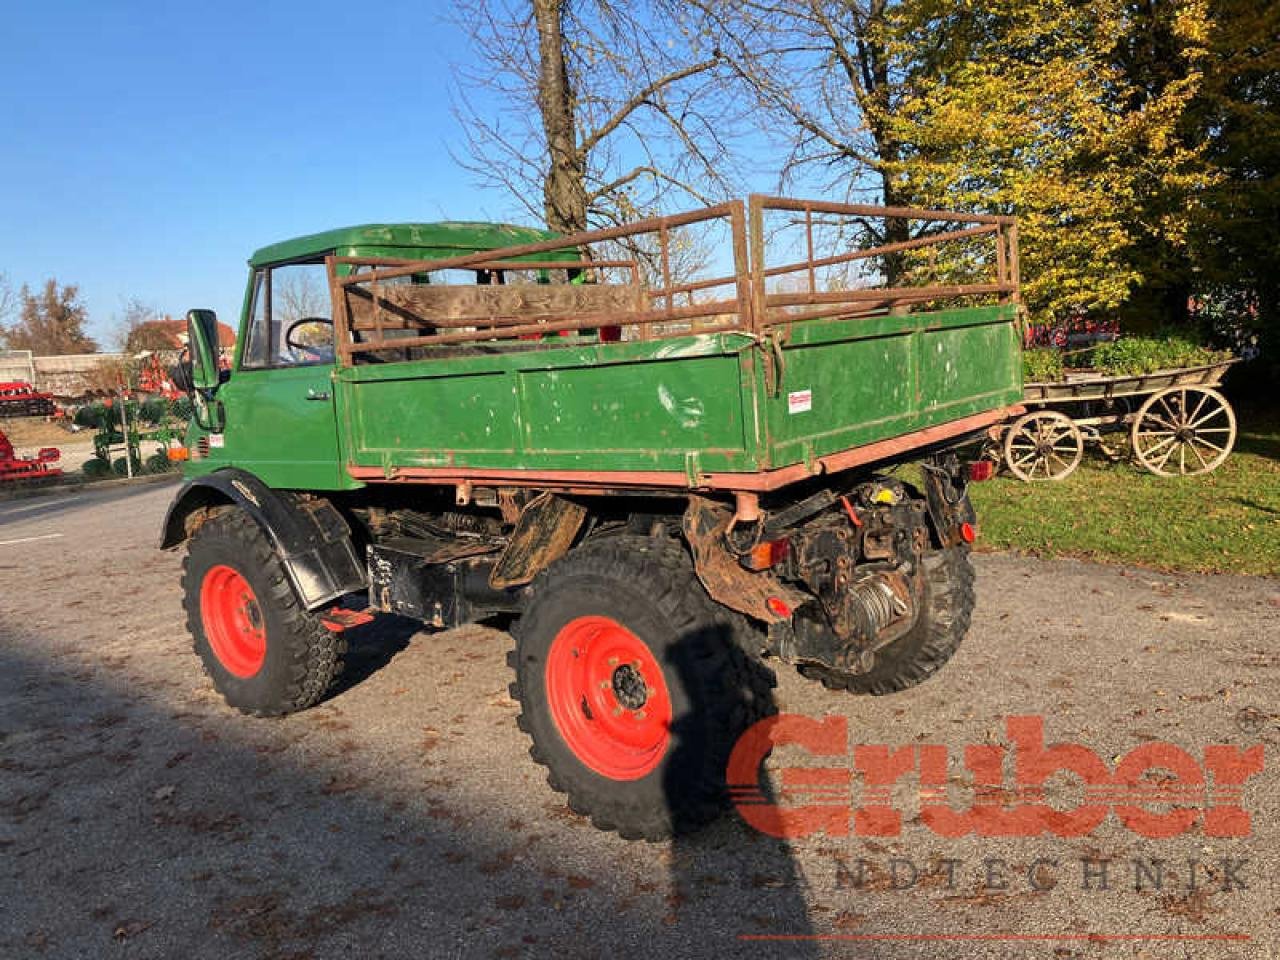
{"x":21,"y":399}
{"x":39,"y":467}
{"x":152,"y":413}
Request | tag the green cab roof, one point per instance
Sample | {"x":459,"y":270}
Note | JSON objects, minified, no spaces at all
{"x":414,"y":240}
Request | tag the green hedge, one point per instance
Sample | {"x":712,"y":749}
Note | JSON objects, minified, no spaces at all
{"x":1041,"y":365}
{"x":1133,"y":355}
{"x":1127,"y":356}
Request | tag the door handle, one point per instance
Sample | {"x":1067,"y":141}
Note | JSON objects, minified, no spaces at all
{"x":314,"y":394}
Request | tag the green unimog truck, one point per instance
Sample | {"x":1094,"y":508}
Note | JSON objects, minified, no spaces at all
{"x":667,"y":449}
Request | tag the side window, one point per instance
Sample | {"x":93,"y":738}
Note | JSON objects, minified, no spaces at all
{"x":301,"y":328}
{"x":289,"y":323}
{"x":257,"y":336}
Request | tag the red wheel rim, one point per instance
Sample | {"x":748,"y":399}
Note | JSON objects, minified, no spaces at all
{"x":608,"y":698}
{"x":233,"y":621}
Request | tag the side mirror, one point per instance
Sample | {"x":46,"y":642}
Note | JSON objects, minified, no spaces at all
{"x":202,"y":342}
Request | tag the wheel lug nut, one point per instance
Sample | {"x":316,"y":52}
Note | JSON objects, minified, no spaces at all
{"x":617,"y":711}
{"x":604,"y":684}
{"x":613,"y":661}
{"x":639,"y":714}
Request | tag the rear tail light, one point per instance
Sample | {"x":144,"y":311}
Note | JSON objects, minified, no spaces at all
{"x":176,"y":454}
{"x":968,"y":533}
{"x":778,"y":607}
{"x":767,"y":554}
{"x":981,"y":470}
{"x":610,"y":334}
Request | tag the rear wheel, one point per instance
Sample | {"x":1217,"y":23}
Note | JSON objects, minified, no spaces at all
{"x":944,"y":620}
{"x":634,"y":686}
{"x":265,"y":654}
{"x":1183,"y":431}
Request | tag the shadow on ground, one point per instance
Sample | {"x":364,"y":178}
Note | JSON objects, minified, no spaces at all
{"x":138,"y":821}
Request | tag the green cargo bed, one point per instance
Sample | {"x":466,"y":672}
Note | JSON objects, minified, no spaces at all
{"x":690,"y":408}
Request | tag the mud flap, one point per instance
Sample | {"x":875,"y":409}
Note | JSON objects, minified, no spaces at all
{"x":309,"y":535}
{"x":726,"y":580}
{"x":543,"y":535}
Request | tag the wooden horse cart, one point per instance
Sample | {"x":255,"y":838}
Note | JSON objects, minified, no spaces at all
{"x":1178,"y":422}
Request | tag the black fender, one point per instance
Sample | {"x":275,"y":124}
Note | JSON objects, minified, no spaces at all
{"x":310,"y":536}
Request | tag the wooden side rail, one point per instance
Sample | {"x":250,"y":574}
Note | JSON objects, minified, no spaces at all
{"x":372,"y":314}
{"x":428,"y":306}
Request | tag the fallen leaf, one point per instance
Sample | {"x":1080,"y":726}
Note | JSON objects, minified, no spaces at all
{"x":132,"y":928}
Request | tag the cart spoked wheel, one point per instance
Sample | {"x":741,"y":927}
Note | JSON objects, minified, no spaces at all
{"x":1043,"y":445}
{"x":1183,"y":431}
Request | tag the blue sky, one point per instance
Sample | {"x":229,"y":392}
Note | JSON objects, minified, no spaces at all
{"x":146,"y":148}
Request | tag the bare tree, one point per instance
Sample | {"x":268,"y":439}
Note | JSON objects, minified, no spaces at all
{"x":297,"y":293}
{"x":594,"y":112}
{"x":823,"y":73}
{"x":8,"y":302}
{"x":51,"y":321}
{"x":136,"y":330}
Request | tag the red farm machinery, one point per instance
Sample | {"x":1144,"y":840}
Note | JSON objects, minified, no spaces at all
{"x":39,"y":467}
{"x":20,"y":399}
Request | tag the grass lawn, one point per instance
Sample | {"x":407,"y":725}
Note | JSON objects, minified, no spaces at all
{"x":1227,"y":521}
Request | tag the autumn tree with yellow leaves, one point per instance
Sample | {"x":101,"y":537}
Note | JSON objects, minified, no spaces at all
{"x":1235,"y":240}
{"x":1068,"y":115}
{"x":1137,"y":141}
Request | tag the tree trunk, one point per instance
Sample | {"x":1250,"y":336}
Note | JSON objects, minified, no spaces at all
{"x":879,"y":86}
{"x":563,"y":188}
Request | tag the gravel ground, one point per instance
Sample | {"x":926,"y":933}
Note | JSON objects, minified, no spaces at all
{"x":139,"y":817}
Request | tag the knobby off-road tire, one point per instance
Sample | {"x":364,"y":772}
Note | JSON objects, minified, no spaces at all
{"x":634,"y":686}
{"x":944,"y":619}
{"x":265,"y":653}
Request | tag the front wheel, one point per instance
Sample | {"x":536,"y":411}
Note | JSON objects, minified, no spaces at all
{"x":265,"y":653}
{"x":634,"y":686}
{"x":1043,"y":444}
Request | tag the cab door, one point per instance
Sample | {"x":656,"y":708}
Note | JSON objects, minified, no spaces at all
{"x":280,"y":403}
